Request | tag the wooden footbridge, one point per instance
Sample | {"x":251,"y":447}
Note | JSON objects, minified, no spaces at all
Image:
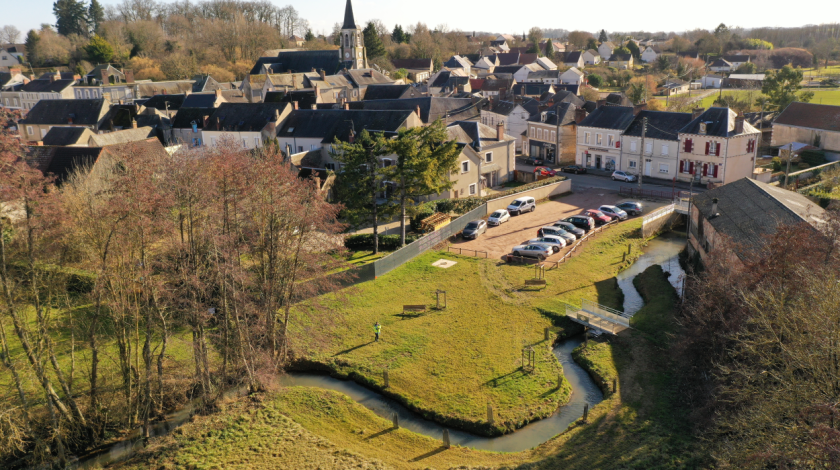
{"x":598,"y":317}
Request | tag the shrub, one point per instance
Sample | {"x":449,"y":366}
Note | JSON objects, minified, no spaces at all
{"x":777,"y":164}
{"x":364,"y":241}
{"x":812,"y":157}
{"x":595,"y":80}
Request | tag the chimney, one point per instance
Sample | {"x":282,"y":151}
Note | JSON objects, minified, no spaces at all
{"x":313,"y":69}
{"x":600,"y":103}
{"x":295,"y":105}
{"x":417,"y":110}
{"x":129,"y":76}
{"x":276,"y":115}
{"x":715,"y":207}
{"x":313,"y":106}
{"x":580,"y":115}
{"x":317,"y":94}
{"x":352,"y":137}
{"x":346,"y":106}
{"x":39,"y":143}
{"x":70,"y":120}
{"x":104,"y":75}
{"x":52,"y":77}
{"x":15,"y":71}
{"x":739,"y":124}
{"x":294,"y":81}
{"x":500,"y":131}
{"x":134,"y":123}
{"x":218,"y":93}
{"x":639,"y":108}
{"x":205,"y":122}
{"x":323,"y":75}
{"x":696,"y":113}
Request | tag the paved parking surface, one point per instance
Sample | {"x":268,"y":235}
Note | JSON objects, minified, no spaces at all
{"x":498,"y":241}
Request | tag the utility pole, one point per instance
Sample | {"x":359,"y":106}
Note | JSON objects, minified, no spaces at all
{"x":790,"y":155}
{"x":642,"y":151}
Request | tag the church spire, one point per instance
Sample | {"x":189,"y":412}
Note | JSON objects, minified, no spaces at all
{"x":349,"y":21}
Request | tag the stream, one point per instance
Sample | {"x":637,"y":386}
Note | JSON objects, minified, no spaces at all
{"x":662,"y":250}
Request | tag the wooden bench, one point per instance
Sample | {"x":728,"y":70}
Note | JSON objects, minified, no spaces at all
{"x":535,"y":282}
{"x":414,"y":308}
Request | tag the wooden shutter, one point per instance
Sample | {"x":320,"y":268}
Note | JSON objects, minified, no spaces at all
{"x":687,"y":146}
{"x":682,"y":166}
{"x":717,"y":148}
{"x":714,"y":171}
{"x":705,"y":169}
{"x":707,"y":147}
{"x":691,"y":167}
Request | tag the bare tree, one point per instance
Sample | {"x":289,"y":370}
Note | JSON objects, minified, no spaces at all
{"x":9,"y":34}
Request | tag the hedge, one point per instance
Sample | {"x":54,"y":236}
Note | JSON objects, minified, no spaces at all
{"x":364,"y":241}
{"x":812,"y":157}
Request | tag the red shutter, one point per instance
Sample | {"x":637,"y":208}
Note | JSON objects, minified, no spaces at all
{"x":714,"y":171}
{"x":691,"y":167}
{"x":682,"y":166}
{"x":717,"y":149}
{"x":705,"y":169}
{"x":687,"y":146}
{"x":707,"y":147}
{"x":617,"y":144}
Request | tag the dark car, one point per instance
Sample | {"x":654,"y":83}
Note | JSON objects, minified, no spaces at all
{"x":534,"y":161}
{"x":631,"y":207}
{"x":581,"y":221}
{"x":576,"y":169}
{"x":569,"y":227}
{"x":474,"y":229}
{"x":599,"y":217}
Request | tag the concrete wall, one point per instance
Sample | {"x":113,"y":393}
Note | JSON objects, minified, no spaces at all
{"x":542,"y":192}
{"x":659,"y":224}
{"x":783,"y":135}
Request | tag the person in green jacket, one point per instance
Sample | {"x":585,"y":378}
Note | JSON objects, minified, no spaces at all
{"x":376,"y":329}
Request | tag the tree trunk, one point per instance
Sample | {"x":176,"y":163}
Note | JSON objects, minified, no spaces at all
{"x":374,"y":211}
{"x":402,"y":212}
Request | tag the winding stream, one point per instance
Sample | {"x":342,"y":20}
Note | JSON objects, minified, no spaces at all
{"x":663,"y":250}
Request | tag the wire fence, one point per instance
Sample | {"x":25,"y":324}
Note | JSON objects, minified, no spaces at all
{"x":460,"y":251}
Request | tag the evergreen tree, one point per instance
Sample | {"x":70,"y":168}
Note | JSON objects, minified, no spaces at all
{"x":549,"y":48}
{"x":95,"y":16}
{"x":309,"y":36}
{"x":71,"y":17}
{"x":633,"y":48}
{"x":602,"y":37}
{"x":592,"y":44}
{"x":398,"y":36}
{"x":32,"y":40}
{"x":99,"y":50}
{"x":781,"y":86}
{"x":372,"y":42}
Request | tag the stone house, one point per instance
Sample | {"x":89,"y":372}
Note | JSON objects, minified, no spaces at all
{"x":808,"y":123}
{"x":513,"y":114}
{"x":660,"y":156}
{"x":64,"y":112}
{"x":717,"y":146}
{"x":551,"y":129}
{"x":599,"y":137}
{"x":488,"y":159}
{"x":248,"y":124}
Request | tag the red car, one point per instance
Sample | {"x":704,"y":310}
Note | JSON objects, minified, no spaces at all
{"x":544,"y":171}
{"x":600,"y":217}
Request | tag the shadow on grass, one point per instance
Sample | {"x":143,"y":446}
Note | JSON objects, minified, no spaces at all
{"x":609,"y":294}
{"x":428,"y":454}
{"x":408,"y":316}
{"x":495,"y":381}
{"x":353,"y":348}
{"x":381,"y":433}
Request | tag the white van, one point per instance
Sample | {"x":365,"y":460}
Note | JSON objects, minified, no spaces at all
{"x":522,"y":205}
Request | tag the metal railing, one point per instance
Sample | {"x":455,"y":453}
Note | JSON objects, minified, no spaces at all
{"x":661,"y":212}
{"x":605,"y":312}
{"x":587,"y":318}
{"x":580,"y":241}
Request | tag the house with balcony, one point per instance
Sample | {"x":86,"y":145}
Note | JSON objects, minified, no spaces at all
{"x":718,"y":146}
{"x":599,"y":137}
{"x":658,"y":157}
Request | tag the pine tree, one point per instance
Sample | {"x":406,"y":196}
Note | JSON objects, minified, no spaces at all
{"x":71,"y":17}
{"x":602,"y":37}
{"x":32,"y":40}
{"x":372,"y":42}
{"x":95,"y":16}
{"x":398,"y":36}
{"x":309,"y":36}
{"x":549,"y":48}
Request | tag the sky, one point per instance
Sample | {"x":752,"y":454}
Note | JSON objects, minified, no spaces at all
{"x":500,"y":16}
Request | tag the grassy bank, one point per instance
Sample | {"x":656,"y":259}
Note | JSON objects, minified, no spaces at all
{"x":821,"y":96}
{"x":449,"y":364}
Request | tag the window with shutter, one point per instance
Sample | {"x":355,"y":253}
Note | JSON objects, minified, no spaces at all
{"x":717,"y":149}
{"x":682,"y":166}
{"x":705,"y":169}
{"x":708,"y":144}
{"x":714,"y":171}
{"x":687,"y":145}
{"x":691,"y":167}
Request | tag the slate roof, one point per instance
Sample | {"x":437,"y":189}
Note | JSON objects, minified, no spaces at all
{"x":234,"y":96}
{"x":496,"y":84}
{"x":531,"y":89}
{"x":564,"y":96}
{"x":506,"y":107}
{"x":815,"y":116}
{"x":620,"y":57}
{"x":5,"y":77}
{"x":84,"y":112}
{"x":543,"y":74}
{"x":97,"y":72}
{"x":304,"y":98}
{"x":618,"y":99}
{"x":47,"y":86}
{"x":63,"y":160}
{"x":510,"y":58}
{"x":173,"y":87}
{"x":185,"y":117}
{"x":208,"y":83}
{"x":749,"y":211}
{"x":425,"y":64}
{"x":563,"y":112}
{"x":736,"y":58}
{"x":63,"y":135}
{"x":720,"y":122}
{"x":245,"y":117}
{"x":769,"y":117}
{"x":329,"y":124}
{"x":349,"y":21}
{"x":457,"y":61}
{"x":302,"y":61}
{"x":528,"y":58}
{"x":472,"y":133}
{"x":506,"y":69}
{"x":572,"y":57}
{"x":364,"y":77}
{"x":609,"y":117}
{"x":164,"y":102}
{"x":662,"y":125}
{"x":198,"y":100}
{"x":720,"y":63}
{"x":431,"y":107}
{"x":567,"y":87}
{"x":123,"y":136}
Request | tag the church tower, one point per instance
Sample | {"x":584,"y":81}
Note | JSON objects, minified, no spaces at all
{"x":353,"y":51}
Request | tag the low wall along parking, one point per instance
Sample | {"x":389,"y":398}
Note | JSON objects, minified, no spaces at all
{"x":543,"y":192}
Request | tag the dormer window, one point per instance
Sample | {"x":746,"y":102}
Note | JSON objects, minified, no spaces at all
{"x":702,"y":128}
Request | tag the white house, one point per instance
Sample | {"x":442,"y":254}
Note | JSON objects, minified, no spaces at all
{"x":546,"y":64}
{"x":247,"y":124}
{"x":574,"y":59}
{"x":720,"y":65}
{"x":661,"y":146}
{"x":521,"y":75}
{"x":488,"y":158}
{"x":7,"y":59}
{"x":591,"y":57}
{"x":513,"y":115}
{"x":649,"y":55}
{"x":711,"y":81}
{"x":736,"y":60}
{"x":717,"y":146}
{"x":573,"y":76}
{"x":606,"y":49}
{"x":599,"y":137}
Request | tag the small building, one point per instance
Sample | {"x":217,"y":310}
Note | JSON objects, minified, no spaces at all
{"x":621,"y":61}
{"x":649,"y":55}
{"x":712,"y":81}
{"x":720,"y":65}
{"x":297,"y":41}
{"x":574,"y":59}
{"x":573,"y":76}
{"x":815,"y":124}
{"x":606,"y":50}
{"x":674,"y":86}
{"x":744,"y":80}
{"x":591,"y":57}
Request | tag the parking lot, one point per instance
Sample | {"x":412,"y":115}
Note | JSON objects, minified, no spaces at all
{"x":498,"y":241}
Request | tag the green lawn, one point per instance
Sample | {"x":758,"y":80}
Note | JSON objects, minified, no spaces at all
{"x":821,"y":96}
{"x":449,"y":364}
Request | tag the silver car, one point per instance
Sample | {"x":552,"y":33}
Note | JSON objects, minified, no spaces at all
{"x":475,"y":228}
{"x":623,"y":176}
{"x":499,"y":217}
{"x":613,"y":212}
{"x":556,"y":243}
{"x":540,"y":252}
{"x":564,"y":233}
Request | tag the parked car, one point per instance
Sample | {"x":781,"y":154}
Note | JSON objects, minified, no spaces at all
{"x":499,"y":217}
{"x":474,"y":229}
{"x":569,"y":227}
{"x":540,"y":252}
{"x":599,"y":217}
{"x":545,"y":171}
{"x":550,"y":231}
{"x":564,"y":234}
{"x":554,"y":242}
{"x":576,"y":169}
{"x":631,"y":207}
{"x":613,"y":212}
{"x":581,"y":221}
{"x":534,"y":161}
{"x":522,"y":204}
{"x":623,"y":176}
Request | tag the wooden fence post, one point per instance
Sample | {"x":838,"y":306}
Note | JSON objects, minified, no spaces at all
{"x":546,"y":334}
{"x":490,"y":413}
{"x":614,"y":383}
{"x":396,"y":421}
{"x":446,"y":442}
{"x":559,"y":380}
{"x":385,"y":377}
{"x":585,"y":412}
{"x":629,"y":247}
